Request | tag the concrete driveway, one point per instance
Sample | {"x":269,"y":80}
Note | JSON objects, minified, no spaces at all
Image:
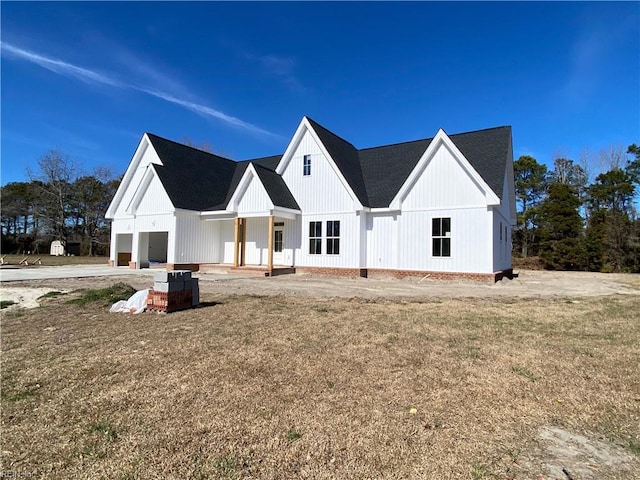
{"x":71,"y":271}
{"x":13,"y":274}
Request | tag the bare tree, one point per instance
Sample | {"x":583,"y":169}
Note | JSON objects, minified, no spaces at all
{"x":55,"y":174}
{"x":613,"y":158}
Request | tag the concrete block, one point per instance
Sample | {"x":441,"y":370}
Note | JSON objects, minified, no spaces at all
{"x":179,"y":275}
{"x":195,"y":292}
{"x":161,"y":276}
{"x":188,"y":284}
{"x":172,"y":286}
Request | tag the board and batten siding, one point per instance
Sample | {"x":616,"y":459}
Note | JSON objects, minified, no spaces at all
{"x":196,"y":240}
{"x":254,"y":199}
{"x":470,"y":241}
{"x":320,"y":192}
{"x":382,"y":241}
{"x":502,"y":239}
{"x":144,"y":224}
{"x":155,"y":200}
{"x":257,"y":252}
{"x":443,"y":184}
{"x":349,"y":256}
{"x":148,"y":156}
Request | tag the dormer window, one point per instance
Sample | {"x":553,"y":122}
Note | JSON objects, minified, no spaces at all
{"x":306,"y":165}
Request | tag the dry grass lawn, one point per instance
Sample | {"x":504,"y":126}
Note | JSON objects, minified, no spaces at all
{"x":289,"y":387}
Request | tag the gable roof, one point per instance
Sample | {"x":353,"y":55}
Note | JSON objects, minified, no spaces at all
{"x":488,"y":152}
{"x":277,"y":190}
{"x":345,"y":157}
{"x":201,"y":181}
{"x":193,"y":179}
{"x":386,"y":168}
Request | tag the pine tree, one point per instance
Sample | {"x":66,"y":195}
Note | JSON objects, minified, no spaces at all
{"x":561,"y":241}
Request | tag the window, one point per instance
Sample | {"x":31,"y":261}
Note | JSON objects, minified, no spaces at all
{"x":333,"y":237}
{"x":315,"y":238}
{"x":441,"y":237}
{"x":277,"y":241}
{"x":306,"y":165}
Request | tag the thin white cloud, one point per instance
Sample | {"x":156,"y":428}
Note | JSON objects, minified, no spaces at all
{"x":206,"y":111}
{"x":60,"y":67}
{"x":73,"y":71}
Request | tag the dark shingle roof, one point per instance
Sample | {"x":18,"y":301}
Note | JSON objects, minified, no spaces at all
{"x":488,"y":152}
{"x":197,"y":180}
{"x":346,"y":158}
{"x":278,"y":191}
{"x":201,"y":181}
{"x":386,"y":168}
{"x":193,"y":179}
{"x":267,"y":162}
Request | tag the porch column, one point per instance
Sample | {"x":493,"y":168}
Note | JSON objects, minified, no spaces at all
{"x":243,"y":241}
{"x":270,"y":262}
{"x":236,"y":240}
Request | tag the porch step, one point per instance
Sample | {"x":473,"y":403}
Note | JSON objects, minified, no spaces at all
{"x":213,"y":268}
{"x":260,"y":271}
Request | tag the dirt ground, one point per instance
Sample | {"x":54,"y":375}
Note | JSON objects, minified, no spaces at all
{"x":533,"y":378}
{"x":528,"y":284}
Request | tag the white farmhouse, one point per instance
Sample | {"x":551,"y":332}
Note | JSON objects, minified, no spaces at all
{"x":442,"y":206}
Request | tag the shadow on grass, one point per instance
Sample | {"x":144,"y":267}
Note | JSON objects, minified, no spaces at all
{"x":209,"y":304}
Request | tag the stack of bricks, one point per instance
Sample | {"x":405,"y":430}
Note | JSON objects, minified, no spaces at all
{"x":173,"y":291}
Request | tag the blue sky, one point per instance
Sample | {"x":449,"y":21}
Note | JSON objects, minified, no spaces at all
{"x":90,"y":78}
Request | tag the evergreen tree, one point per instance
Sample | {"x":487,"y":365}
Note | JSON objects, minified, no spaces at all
{"x":561,"y":241}
{"x":611,"y":221}
{"x":530,"y":183}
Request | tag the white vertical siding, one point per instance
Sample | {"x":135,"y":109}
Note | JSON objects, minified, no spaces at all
{"x":322,"y":191}
{"x":443,"y":184}
{"x":471,"y":249}
{"x":197,"y":240}
{"x":254,"y":199}
{"x":155,"y":199}
{"x":162,"y":222}
{"x":362,"y":217}
{"x":257,"y":241}
{"x":257,"y":245}
{"x":349,"y":256}
{"x":149,"y":156}
{"x":226,"y":231}
{"x":381,"y":241}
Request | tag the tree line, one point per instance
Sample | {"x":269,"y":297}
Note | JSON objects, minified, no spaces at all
{"x":59,"y":202}
{"x":566,"y":219}
{"x":573,"y":223}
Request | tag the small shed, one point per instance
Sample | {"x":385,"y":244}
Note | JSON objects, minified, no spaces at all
{"x":57,"y":248}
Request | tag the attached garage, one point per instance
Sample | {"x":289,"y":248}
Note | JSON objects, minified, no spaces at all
{"x":124,"y":243}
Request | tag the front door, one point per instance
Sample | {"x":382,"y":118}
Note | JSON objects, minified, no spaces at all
{"x":278,"y":245}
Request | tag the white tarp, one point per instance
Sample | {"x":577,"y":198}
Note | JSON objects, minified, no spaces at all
{"x":136,"y":304}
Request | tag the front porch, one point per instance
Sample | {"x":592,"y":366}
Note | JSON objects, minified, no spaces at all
{"x":252,"y":270}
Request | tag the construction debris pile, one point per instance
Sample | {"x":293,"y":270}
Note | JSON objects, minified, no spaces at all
{"x":173,"y":291}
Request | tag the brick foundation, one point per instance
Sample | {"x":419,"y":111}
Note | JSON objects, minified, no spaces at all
{"x":112,"y":263}
{"x":132,"y":265}
{"x":400,"y":274}
{"x":194,"y":267}
{"x":333,"y":272}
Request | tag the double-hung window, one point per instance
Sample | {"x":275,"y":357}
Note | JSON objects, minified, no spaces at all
{"x":333,"y":237}
{"x":441,"y":237}
{"x":315,"y":238}
{"x":306,"y":165}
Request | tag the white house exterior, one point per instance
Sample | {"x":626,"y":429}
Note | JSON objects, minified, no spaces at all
{"x":442,"y":206}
